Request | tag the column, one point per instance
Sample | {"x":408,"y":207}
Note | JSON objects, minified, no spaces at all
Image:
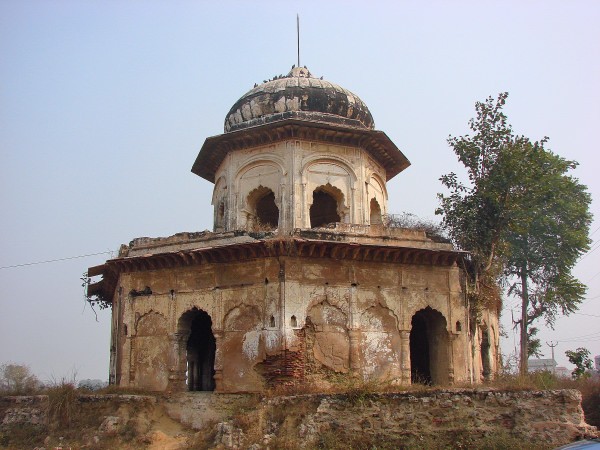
{"x":218,"y":361}
{"x":405,"y":356}
{"x":451,"y":339}
{"x":354,"y":338}
{"x":178,"y":361}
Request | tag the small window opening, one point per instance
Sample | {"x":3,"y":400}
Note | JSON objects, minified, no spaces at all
{"x":293,"y":321}
{"x":264,"y":210}
{"x":375,"y":213}
{"x":125,"y":330}
{"x":267,"y":211}
{"x":323,"y":209}
{"x":458,"y":326}
{"x":220,"y":216}
{"x":272,"y":322}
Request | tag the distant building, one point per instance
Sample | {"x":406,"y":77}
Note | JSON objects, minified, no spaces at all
{"x":562,"y":372}
{"x":597,"y":361}
{"x":539,"y":364}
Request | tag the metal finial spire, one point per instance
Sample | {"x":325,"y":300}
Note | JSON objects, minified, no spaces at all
{"x":298,"y":35}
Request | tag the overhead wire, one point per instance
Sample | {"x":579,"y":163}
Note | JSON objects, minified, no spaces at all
{"x":54,"y":260}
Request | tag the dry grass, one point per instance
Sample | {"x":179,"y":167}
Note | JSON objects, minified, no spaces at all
{"x":62,"y":400}
{"x":336,"y":440}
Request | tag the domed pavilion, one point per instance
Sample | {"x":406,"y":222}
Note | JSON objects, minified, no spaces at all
{"x":301,"y":279}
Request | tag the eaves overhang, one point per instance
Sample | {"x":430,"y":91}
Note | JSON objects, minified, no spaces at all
{"x":375,"y":142}
{"x":293,"y":247}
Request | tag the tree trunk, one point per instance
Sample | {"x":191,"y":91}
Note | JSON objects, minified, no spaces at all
{"x":524,"y":307}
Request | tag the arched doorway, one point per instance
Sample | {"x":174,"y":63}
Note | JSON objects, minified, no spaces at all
{"x":324,"y":208}
{"x":420,"y":371}
{"x":267,"y":211}
{"x":429,"y":347}
{"x":485,"y":353}
{"x":200,"y":350}
{"x":261,"y":202}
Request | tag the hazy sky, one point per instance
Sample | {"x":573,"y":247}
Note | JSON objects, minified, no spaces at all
{"x":104,"y":106}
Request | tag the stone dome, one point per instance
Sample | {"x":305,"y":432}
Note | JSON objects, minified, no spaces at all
{"x":298,"y":95}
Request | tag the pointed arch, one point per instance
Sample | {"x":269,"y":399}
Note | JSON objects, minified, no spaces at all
{"x":376,"y":217}
{"x":429,"y":347}
{"x":327,"y":206}
{"x":261,"y":205}
{"x":198,"y":349}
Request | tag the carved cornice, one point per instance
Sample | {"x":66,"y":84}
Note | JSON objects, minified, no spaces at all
{"x":375,"y":142}
{"x":291,"y":247}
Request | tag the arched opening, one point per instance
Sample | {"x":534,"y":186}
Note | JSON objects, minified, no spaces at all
{"x":219,"y":216}
{"x":293,"y":322}
{"x":485,"y":354}
{"x":419,"y":351}
{"x":429,"y":347}
{"x":324,"y":208}
{"x":200,"y":350}
{"x":261,"y":202}
{"x":375,"y":213}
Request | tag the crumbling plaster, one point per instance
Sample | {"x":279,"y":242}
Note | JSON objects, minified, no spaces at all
{"x":292,"y":170}
{"x":360,"y":314}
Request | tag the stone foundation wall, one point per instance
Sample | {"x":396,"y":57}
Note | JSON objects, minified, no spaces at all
{"x":18,"y":410}
{"x":546,"y":417}
{"x":550,"y":418}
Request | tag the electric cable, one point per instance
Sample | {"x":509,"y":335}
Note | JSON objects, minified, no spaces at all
{"x":54,"y":260}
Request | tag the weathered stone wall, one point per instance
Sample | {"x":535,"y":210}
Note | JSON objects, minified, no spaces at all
{"x":550,"y":418}
{"x":18,"y":410}
{"x":292,"y":170}
{"x":276,"y":319}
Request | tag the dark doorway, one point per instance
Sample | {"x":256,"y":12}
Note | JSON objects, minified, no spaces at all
{"x":267,"y":211}
{"x":485,"y":354}
{"x":201,"y":348}
{"x":420,"y":371}
{"x":323,"y":209}
{"x":429,"y":347}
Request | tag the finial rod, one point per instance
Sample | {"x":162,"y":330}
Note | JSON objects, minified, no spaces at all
{"x":298,"y":35}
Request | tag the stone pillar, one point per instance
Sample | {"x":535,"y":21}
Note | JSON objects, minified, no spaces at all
{"x":451,"y":339}
{"x":130,"y":342}
{"x":178,"y":361}
{"x":354,"y":338}
{"x":218,"y":360}
{"x":405,"y":356}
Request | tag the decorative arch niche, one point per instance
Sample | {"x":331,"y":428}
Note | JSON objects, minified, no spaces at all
{"x":327,"y":338}
{"x":151,"y":345}
{"x":375,"y":212}
{"x":219,"y":199}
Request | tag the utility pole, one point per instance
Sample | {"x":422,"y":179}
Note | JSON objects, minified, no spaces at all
{"x":552,"y":344}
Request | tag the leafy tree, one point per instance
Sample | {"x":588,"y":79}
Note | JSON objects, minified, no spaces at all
{"x":474,"y":212}
{"x":17,"y":379}
{"x":522,"y":218}
{"x":545,"y":236}
{"x":581,"y":359}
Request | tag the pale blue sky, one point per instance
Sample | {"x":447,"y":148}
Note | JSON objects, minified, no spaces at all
{"x":105,"y":104}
